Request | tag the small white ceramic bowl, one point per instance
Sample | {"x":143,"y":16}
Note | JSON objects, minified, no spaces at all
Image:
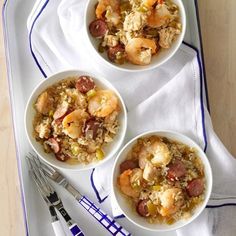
{"x":110,"y":149}
{"x":157,"y":60}
{"x":124,"y":204}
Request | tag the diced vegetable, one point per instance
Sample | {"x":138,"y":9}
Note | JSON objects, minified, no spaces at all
{"x":143,"y":9}
{"x":170,"y":221}
{"x":99,"y":154}
{"x":75,"y":149}
{"x":156,"y":187}
{"x":152,"y":209}
{"x":101,"y":49}
{"x":51,"y":113}
{"x":91,"y":93}
{"x":136,"y":184}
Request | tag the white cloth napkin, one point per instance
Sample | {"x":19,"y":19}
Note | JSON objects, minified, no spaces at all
{"x":170,"y":97}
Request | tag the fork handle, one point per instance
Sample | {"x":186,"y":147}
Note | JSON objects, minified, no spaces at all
{"x":75,"y":230}
{"x":73,"y":227}
{"x":57,"y":228}
{"x":105,"y":220}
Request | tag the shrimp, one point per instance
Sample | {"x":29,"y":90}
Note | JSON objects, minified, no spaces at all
{"x":112,"y":9}
{"x":150,"y":172}
{"x":103,"y":103}
{"x":150,"y":3}
{"x":72,"y":124}
{"x":136,"y":177}
{"x":159,"y":16}
{"x":171,"y":200}
{"x":44,"y":103}
{"x":139,"y":50}
{"x":125,"y":184}
{"x":144,"y":157}
{"x":161,"y":154}
{"x":157,"y":153}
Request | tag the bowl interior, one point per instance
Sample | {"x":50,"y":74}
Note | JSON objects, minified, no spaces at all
{"x":124,"y":204}
{"x":157,"y":60}
{"x":110,"y":149}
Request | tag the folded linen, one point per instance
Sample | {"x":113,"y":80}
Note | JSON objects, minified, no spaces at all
{"x":170,"y":97}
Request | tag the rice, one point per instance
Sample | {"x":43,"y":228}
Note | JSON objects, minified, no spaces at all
{"x":169,"y":194}
{"x":75,"y":135}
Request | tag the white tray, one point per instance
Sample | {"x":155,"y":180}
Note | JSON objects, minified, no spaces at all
{"x":23,"y":76}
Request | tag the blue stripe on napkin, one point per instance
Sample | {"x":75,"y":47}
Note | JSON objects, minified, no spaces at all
{"x":100,"y":200}
{"x":201,"y":93}
{"x":30,"y":38}
{"x":221,"y":205}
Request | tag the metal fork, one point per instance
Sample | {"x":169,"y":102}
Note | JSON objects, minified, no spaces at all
{"x":50,"y":196}
{"x":105,"y":220}
{"x":56,"y":224}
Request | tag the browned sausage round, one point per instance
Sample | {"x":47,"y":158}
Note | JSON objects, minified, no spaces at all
{"x":195,"y":187}
{"x":84,"y":84}
{"x":142,"y":208}
{"x":176,"y":170}
{"x":128,"y":164}
{"x":62,"y":157}
{"x":54,"y":145}
{"x":91,"y":128}
{"x":59,"y":120}
{"x":60,"y":111}
{"x":98,"y":28}
{"x":112,"y":52}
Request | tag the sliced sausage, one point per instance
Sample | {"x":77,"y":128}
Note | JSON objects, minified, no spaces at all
{"x":128,"y":164}
{"x":61,"y":110}
{"x":91,"y":128}
{"x":62,"y":157}
{"x":53,"y":144}
{"x":84,"y":84}
{"x":142,"y":208}
{"x":59,"y":120}
{"x":112,"y":52}
{"x":98,"y":28}
{"x":195,"y":187}
{"x":176,"y":170}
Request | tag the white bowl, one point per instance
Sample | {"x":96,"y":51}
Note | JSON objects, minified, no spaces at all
{"x":110,"y":150}
{"x":124,"y":204}
{"x":157,"y":60}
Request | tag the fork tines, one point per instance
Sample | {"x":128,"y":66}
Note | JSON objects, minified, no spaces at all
{"x":38,"y":175}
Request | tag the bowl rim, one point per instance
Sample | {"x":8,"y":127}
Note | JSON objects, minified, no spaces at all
{"x":207,"y":165}
{"x":149,"y":67}
{"x":103,"y":81}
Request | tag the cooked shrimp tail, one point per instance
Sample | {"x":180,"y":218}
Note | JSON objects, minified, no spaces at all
{"x":125,"y":184}
{"x":140,"y":50}
{"x":103,"y":103}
